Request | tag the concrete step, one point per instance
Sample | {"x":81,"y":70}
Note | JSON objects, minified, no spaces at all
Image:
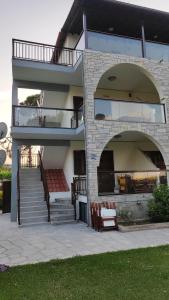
{"x":34,"y":214}
{"x":63,"y":222}
{"x":62,"y":217}
{"x":56,"y":206}
{"x":34,"y":224}
{"x":34,"y":220}
{"x":62,"y":211}
{"x":33,"y":207}
{"x":31,"y":190}
{"x":30,"y":194}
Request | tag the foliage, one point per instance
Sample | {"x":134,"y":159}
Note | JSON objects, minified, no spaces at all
{"x":159,"y":205}
{"x":5,"y":173}
{"x":126,"y":215}
{"x":128,"y":275}
{"x":31,"y":100}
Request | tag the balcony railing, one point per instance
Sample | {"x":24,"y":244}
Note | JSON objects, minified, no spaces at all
{"x":118,"y":44}
{"x":125,"y":111}
{"x":130,"y":182}
{"x":44,"y":117}
{"x":30,"y":51}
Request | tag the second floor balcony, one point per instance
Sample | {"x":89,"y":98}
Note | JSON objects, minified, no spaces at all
{"x":45,"y":117}
{"x":125,"y":111}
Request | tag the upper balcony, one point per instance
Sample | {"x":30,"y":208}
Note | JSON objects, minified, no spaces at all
{"x":119,"y":44}
{"x":42,"y":62}
{"x":47,"y":123}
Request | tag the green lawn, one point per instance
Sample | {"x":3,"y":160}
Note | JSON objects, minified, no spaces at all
{"x":137,"y":274}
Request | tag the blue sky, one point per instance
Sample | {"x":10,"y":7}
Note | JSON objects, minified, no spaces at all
{"x":39,"y":21}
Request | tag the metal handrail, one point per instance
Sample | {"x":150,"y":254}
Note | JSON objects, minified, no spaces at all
{"x":18,"y":187}
{"x":32,"y":51}
{"x":45,"y":185}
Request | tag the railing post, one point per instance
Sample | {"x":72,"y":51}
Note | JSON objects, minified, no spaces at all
{"x":77,"y":121}
{"x":143,"y":41}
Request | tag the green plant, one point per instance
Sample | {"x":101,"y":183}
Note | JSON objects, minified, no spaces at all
{"x":158,"y":207}
{"x":5,"y":173}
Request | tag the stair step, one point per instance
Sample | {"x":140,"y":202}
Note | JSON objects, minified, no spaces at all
{"x":34,"y":224}
{"x":33,"y":207}
{"x":62,"y":217}
{"x":63,"y":222}
{"x":62,"y":211}
{"x":32,"y":194}
{"x":34,"y":214}
{"x":35,"y":220}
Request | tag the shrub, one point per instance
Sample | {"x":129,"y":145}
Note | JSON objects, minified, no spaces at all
{"x":159,"y":205}
{"x":5,"y":173}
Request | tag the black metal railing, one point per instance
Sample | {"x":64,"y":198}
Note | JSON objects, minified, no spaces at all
{"x":78,"y":187}
{"x":130,"y":182}
{"x":45,"y":185}
{"x":18,"y":188}
{"x":44,"y":117}
{"x":29,"y":161}
{"x":39,"y":52}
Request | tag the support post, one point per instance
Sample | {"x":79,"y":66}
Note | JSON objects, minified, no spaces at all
{"x":85,"y":30}
{"x":14,"y":182}
{"x":143,"y":40}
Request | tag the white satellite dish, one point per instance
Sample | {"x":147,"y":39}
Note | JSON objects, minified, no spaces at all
{"x":2,"y":157}
{"x":3,"y":130}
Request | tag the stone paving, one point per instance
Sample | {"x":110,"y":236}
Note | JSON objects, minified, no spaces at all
{"x":42,"y":243}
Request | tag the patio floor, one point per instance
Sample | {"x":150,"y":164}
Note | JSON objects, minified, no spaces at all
{"x":42,"y":243}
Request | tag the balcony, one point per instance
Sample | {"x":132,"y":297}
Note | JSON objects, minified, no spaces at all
{"x":118,"y":44}
{"x":44,"y":117}
{"x":37,"y":52}
{"x":44,"y":123}
{"x":125,"y":111}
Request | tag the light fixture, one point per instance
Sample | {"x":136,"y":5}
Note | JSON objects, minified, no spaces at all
{"x":155,"y":36}
{"x":111,"y":29}
{"x":112,"y":78}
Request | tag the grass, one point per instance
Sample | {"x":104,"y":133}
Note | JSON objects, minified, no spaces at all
{"x":129,"y":275}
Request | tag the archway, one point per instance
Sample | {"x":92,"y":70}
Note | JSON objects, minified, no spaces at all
{"x":134,"y":94}
{"x":131,"y":163}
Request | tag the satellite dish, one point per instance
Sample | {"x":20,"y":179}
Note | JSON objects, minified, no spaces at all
{"x":2,"y":157}
{"x":3,"y":130}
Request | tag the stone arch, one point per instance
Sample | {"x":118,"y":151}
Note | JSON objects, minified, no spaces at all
{"x":152,"y":138}
{"x":145,"y":69}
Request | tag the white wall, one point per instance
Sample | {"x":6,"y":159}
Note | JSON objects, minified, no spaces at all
{"x":69,"y":160}
{"x":54,"y":157}
{"x":71,"y":40}
{"x":54,"y":99}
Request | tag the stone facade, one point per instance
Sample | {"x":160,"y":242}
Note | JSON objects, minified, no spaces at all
{"x":99,"y":133}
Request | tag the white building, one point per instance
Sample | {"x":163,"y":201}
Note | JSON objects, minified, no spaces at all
{"x":103,"y":119}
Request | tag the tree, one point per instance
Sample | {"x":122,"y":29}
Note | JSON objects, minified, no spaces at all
{"x":31,"y":100}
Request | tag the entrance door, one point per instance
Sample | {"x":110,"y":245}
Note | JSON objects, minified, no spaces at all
{"x":106,"y":180}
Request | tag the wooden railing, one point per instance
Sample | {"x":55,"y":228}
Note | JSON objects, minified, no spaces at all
{"x":78,"y":187}
{"x":39,"y":52}
{"x":45,"y":185}
{"x":18,"y":187}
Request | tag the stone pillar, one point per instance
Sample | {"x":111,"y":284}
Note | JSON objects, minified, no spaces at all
{"x":14,"y":182}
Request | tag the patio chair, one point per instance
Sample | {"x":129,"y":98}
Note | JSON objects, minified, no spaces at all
{"x":104,"y":216}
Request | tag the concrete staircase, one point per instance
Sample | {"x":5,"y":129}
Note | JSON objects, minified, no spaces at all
{"x":33,"y":207}
{"x":62,"y":212}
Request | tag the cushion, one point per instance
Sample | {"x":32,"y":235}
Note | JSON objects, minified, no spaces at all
{"x":105,"y":212}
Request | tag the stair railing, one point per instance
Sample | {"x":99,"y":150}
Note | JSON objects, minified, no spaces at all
{"x":45,"y":185}
{"x":18,"y":187}
{"x":78,"y":187}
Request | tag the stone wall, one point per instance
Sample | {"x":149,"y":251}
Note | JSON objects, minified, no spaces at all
{"x":99,"y":133}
